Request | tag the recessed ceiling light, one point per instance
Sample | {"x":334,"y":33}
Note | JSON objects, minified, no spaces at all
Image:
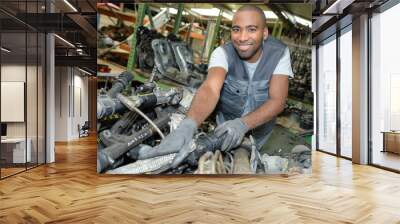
{"x":86,"y":72}
{"x":70,"y":5}
{"x":268,"y":14}
{"x":64,"y":40}
{"x":5,"y":49}
{"x":338,"y":6}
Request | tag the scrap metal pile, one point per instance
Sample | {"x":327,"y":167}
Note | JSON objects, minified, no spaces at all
{"x":300,"y":88}
{"x":133,"y":118}
{"x":170,"y":56}
{"x":300,"y":113}
{"x":300,"y":85}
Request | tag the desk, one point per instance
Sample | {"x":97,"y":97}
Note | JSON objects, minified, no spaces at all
{"x":13,"y":150}
{"x":391,"y":141}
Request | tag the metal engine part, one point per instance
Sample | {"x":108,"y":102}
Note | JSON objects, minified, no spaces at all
{"x":123,"y":144}
{"x":107,"y":106}
{"x":301,"y":156}
{"x":186,"y":100}
{"x":183,"y":56}
{"x":241,"y":161}
{"x":144,"y":166}
{"x":106,"y":103}
{"x":163,"y":57}
{"x":144,"y":38}
{"x":275,"y":164}
{"x":120,"y":83}
{"x":211,"y":163}
{"x":174,"y":61}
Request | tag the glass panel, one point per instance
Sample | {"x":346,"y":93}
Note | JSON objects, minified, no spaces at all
{"x":31,"y":99}
{"x":346,"y":94}
{"x":327,"y":97}
{"x":41,"y":99}
{"x":385,"y":86}
{"x":22,"y":78}
{"x":31,"y":86}
{"x":13,"y":86}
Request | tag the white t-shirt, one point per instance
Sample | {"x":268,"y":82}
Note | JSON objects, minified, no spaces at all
{"x":218,"y":59}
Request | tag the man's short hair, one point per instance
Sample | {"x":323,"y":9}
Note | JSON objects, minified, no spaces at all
{"x":254,"y":9}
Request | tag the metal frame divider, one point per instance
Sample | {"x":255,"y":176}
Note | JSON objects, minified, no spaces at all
{"x":44,"y":77}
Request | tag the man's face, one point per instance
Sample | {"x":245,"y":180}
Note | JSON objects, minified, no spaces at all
{"x":248,"y":33}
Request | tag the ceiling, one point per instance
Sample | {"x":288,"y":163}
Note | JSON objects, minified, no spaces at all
{"x":326,"y":24}
{"x":76,"y":23}
{"x":40,"y":5}
{"x":16,"y":42}
{"x":302,"y":10}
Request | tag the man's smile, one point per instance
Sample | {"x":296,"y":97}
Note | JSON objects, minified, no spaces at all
{"x":244,"y":47}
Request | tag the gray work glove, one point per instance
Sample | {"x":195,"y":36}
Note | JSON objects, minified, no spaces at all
{"x":179,"y":138}
{"x":233,"y":132}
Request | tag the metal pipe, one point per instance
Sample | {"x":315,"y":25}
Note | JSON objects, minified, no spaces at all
{"x":131,"y":106}
{"x":107,"y":156}
{"x":139,"y":22}
{"x":107,"y":106}
{"x":120,"y":83}
{"x":214,"y":37}
{"x":178,"y":19}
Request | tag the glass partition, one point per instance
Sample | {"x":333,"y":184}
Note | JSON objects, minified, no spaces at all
{"x":385,"y":89}
{"x":13,"y":104}
{"x":346,"y":93}
{"x":22,"y":87}
{"x":41,"y":91}
{"x":327,"y":96}
{"x":31,"y":98}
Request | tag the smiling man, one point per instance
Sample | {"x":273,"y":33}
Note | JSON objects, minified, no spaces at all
{"x":247,"y":84}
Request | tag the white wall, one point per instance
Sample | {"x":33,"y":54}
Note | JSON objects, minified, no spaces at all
{"x":33,"y":126}
{"x":80,"y":101}
{"x":71,"y":94}
{"x":12,"y":73}
{"x":61,"y":103}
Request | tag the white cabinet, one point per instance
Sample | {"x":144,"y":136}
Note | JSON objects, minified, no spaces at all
{"x":17,"y":146}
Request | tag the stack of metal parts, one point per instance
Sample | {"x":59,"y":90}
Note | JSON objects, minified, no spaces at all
{"x":174,"y":61}
{"x":134,"y":119}
{"x":300,"y":85}
{"x":118,"y":32}
{"x":172,"y":57}
{"x":300,"y":114}
{"x":144,"y":37}
{"x":128,"y":116}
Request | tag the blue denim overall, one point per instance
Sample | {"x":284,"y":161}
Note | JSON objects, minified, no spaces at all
{"x":240,"y":95}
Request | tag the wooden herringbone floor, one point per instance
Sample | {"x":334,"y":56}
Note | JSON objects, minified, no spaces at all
{"x":70,"y":191}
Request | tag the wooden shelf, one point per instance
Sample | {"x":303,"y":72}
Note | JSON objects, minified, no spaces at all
{"x":132,"y":18}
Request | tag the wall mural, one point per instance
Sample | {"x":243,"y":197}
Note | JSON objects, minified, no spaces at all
{"x":167,"y":105}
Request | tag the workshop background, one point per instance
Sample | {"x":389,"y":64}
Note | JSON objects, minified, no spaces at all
{"x":151,"y":59}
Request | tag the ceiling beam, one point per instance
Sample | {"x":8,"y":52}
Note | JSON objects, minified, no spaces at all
{"x":90,"y":31}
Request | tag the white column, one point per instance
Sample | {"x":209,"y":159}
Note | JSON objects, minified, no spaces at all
{"x":50,"y":94}
{"x":360,"y":90}
{"x":314,"y":90}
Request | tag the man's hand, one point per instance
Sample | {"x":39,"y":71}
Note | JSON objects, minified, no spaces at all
{"x":233,"y":132}
{"x":180,"y":137}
